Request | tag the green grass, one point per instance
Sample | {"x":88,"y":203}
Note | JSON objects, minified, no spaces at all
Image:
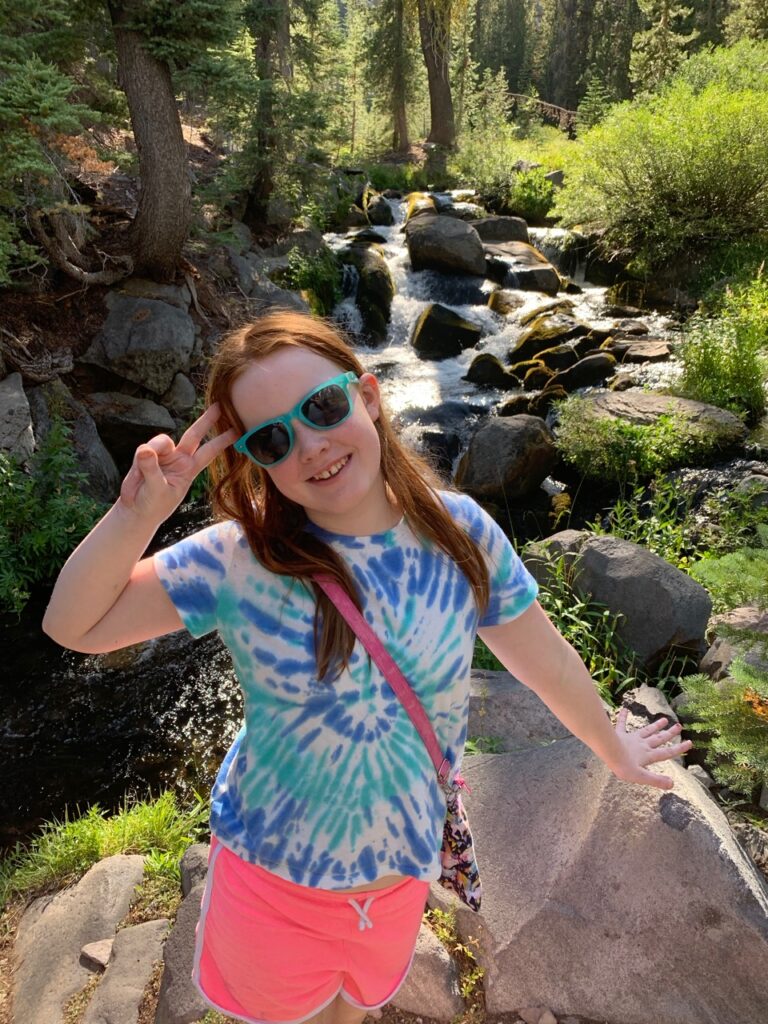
{"x":65,"y":850}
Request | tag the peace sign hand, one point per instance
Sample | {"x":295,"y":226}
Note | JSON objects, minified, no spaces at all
{"x":163,"y":470}
{"x":646,"y":746}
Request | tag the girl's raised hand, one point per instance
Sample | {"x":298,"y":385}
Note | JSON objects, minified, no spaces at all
{"x":163,"y":470}
{"x":646,"y":746}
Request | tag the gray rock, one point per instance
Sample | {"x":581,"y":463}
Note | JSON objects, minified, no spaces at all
{"x":487,"y":368}
{"x":508,"y":457}
{"x":380,"y":212}
{"x":181,"y":396}
{"x":98,"y":953}
{"x":572,"y":860}
{"x":444,"y":243}
{"x":141,"y":288}
{"x":102,"y":477}
{"x":501,"y":229}
{"x":194,"y":867}
{"x":502,"y":709}
{"x":432,"y":985}
{"x":741,"y":632}
{"x":125,"y":422}
{"x":519,"y":265}
{"x":375,"y":287}
{"x":647,"y":350}
{"x":179,"y":1001}
{"x":16,"y":435}
{"x":756,"y":486}
{"x":135,"y":952}
{"x":586,"y":372}
{"x":144,"y":341}
{"x":54,"y":930}
{"x":307,"y":240}
{"x":243,"y":237}
{"x":439,"y":333}
{"x":266,"y":295}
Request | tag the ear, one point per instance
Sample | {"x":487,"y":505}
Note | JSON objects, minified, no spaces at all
{"x":371,"y":395}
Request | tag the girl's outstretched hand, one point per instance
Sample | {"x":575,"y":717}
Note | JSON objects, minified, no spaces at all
{"x":646,"y":746}
{"x":163,"y":470}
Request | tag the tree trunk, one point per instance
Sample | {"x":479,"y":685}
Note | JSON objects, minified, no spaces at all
{"x":435,"y":32}
{"x":161,"y":225}
{"x":263,"y":185}
{"x":400,"y":141}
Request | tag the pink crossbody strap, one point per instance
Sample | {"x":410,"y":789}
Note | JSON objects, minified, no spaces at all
{"x":392,"y":673}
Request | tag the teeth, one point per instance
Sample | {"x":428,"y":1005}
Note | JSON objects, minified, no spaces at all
{"x":335,"y":468}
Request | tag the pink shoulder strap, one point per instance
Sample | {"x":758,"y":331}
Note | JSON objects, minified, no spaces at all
{"x":392,"y":673}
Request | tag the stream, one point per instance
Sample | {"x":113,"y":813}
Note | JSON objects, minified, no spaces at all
{"x":79,"y":729}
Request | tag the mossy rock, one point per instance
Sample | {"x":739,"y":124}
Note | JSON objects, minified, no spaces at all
{"x":588,"y":371}
{"x":517,"y":405}
{"x":375,"y":290}
{"x":553,"y":306}
{"x":504,"y":302}
{"x":488,"y":369}
{"x":520,"y":369}
{"x":537,"y":377}
{"x":419,"y":203}
{"x":546,"y":331}
{"x":559,"y":358}
{"x":440,"y":333}
{"x":540,"y":404}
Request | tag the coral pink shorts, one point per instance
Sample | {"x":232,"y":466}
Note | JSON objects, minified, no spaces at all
{"x":270,"y":950}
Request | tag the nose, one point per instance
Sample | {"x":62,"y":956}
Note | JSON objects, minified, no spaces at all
{"x":310,"y":444}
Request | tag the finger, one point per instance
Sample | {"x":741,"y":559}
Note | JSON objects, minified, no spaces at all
{"x":665,"y":735}
{"x":196,"y":431}
{"x":621,"y":719}
{"x":665,"y":753}
{"x":130,"y":485}
{"x":206,"y":453}
{"x":149,"y":466}
{"x":161,"y":444}
{"x":656,"y":781}
{"x":654,"y":727}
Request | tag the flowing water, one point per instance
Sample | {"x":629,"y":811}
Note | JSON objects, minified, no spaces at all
{"x":78,"y":729}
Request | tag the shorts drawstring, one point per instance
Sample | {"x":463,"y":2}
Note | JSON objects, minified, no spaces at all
{"x":365,"y":921}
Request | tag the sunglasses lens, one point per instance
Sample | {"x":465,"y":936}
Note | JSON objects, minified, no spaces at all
{"x":326,"y":407}
{"x":269,"y":444}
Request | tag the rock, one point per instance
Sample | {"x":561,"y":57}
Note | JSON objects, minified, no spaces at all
{"x":506,"y":711}
{"x":102,"y":478}
{"x":536,"y":1015}
{"x":181,"y":396}
{"x":586,"y":372}
{"x":310,"y":241}
{"x":488,"y":369}
{"x":379,"y":211}
{"x":144,"y":341}
{"x":464,"y":211}
{"x":98,"y":953}
{"x":432,"y":985}
{"x":648,"y":350}
{"x":756,"y":486}
{"x":590,"y":855}
{"x":125,"y":422}
{"x":440,"y":333}
{"x":515,"y":406}
{"x":546,"y":331}
{"x":419,"y":203}
{"x":541,"y":403}
{"x":537,"y":377}
{"x":445,"y":244}
{"x":375,"y":289}
{"x":518,"y":265}
{"x":141,"y":288}
{"x":701,"y":776}
{"x":503,"y":301}
{"x":560,"y":305}
{"x":16,"y":435}
{"x":119,"y":995}
{"x":264,"y":294}
{"x":560,"y":357}
{"x":645,"y":408}
{"x":501,"y":229}
{"x":353,"y":218}
{"x":741,"y":632}
{"x":54,"y":930}
{"x":194,"y":867}
{"x":368,"y":235}
{"x":242,"y":235}
{"x":663,"y":608}
{"x":179,"y":1001}
{"x":507,"y":458}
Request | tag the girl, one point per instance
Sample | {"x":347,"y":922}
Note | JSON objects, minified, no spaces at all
{"x":327,"y":814}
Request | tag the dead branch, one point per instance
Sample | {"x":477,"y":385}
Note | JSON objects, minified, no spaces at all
{"x":60,"y":260}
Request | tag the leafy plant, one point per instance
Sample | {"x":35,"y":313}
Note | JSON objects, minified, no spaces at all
{"x":531,"y":194}
{"x":738,"y":578}
{"x":484,"y":659}
{"x":319,"y":275}
{"x":43,"y":515}
{"x":65,"y":850}
{"x":483,"y":745}
{"x":733,"y":520}
{"x":735,"y":712}
{"x":443,"y":924}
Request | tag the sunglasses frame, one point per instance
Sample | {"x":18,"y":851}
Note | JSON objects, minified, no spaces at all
{"x":342,"y":380}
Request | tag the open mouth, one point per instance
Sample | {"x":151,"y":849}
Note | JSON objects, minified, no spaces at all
{"x":332,"y":471}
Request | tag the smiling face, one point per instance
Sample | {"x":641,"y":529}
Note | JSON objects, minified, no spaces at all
{"x":334,"y":474}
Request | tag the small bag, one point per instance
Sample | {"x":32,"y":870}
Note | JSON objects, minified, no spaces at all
{"x":457,"y":855}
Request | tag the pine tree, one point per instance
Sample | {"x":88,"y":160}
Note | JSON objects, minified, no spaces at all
{"x":748,"y":19}
{"x":659,"y":50}
{"x":390,"y":59}
{"x":595,"y":103}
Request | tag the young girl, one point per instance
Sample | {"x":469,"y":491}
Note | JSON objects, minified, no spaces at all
{"x":327,"y":815}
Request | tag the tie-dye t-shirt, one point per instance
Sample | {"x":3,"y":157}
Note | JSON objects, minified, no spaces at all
{"x":329,"y":784}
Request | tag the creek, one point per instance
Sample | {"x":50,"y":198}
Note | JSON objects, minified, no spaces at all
{"x":80,"y":729}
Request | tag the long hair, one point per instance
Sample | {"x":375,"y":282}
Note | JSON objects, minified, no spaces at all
{"x":274,"y":525}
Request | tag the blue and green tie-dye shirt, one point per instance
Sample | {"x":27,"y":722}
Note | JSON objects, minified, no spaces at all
{"x":329,"y":784}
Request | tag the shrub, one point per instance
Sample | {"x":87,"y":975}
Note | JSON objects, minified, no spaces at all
{"x":319,"y":275}
{"x":531,"y":195}
{"x":738,"y":578}
{"x":621,"y":452}
{"x":732,"y":68}
{"x":43,"y":516}
{"x":735,"y":712}
{"x":673,"y":172}
{"x":733,"y":521}
{"x":401,"y":177}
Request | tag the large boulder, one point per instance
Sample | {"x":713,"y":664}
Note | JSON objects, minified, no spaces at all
{"x":590,"y":370}
{"x":501,"y":229}
{"x":17,"y":437}
{"x":440,"y":333}
{"x":575,"y":865}
{"x":487,"y":368}
{"x":446,"y":244}
{"x":662,"y":608}
{"x":507,"y":458}
{"x":102,"y":478}
{"x":379,"y":211}
{"x":544,"y":332}
{"x":125,"y":422}
{"x":375,"y":288}
{"x":432,"y":985}
{"x":144,"y":340}
{"x":519,"y":265}
{"x":179,"y":1001}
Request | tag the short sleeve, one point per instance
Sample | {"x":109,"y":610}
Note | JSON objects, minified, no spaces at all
{"x":192,"y":573}
{"x":512,"y":588}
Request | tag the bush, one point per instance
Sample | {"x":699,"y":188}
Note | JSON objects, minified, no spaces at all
{"x":722,"y":366}
{"x":734,"y":712}
{"x":739,"y":578}
{"x":319,"y":275}
{"x":43,"y":516}
{"x":400,"y":177}
{"x":674,"y":172}
{"x":621,"y":452}
{"x":531,"y":195}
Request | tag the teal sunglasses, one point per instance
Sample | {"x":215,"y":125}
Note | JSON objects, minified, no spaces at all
{"x":323,"y":408}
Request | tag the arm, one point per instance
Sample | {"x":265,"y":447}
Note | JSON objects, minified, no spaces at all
{"x":105,"y":598}
{"x":534,"y":652}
